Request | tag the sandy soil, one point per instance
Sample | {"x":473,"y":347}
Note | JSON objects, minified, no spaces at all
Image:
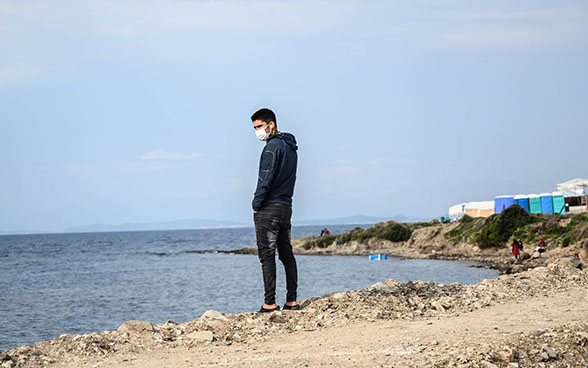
{"x":383,"y":343}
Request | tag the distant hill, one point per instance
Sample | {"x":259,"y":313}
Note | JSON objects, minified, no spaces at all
{"x":357,"y":219}
{"x":168,"y":225}
{"x":212,"y":224}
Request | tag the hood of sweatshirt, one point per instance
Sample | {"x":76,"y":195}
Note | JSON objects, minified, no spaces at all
{"x":288,"y":138}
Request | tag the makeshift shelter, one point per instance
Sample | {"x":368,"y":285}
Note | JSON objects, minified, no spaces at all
{"x":479,"y":209}
{"x":503,"y":202}
{"x":559,"y":203}
{"x":546,"y":203}
{"x":457,"y":210}
{"x":523,"y":201}
{"x":574,"y":188}
{"x":534,"y":203}
{"x":575,"y":194}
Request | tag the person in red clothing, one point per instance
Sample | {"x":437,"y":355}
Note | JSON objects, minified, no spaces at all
{"x":541,"y":246}
{"x":515,"y":249}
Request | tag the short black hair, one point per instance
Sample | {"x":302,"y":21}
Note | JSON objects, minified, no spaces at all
{"x":265,"y":115}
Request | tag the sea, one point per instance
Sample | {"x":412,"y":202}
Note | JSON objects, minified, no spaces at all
{"x":76,"y":283}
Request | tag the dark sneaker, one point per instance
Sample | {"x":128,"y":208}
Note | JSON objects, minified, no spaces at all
{"x":291,"y":307}
{"x":263,"y":310}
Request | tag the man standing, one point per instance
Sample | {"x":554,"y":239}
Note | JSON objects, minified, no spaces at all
{"x":272,"y":207}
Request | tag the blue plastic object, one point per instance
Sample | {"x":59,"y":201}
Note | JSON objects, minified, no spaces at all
{"x":546,"y":203}
{"x":378,"y":257}
{"x":523,"y":202}
{"x":502,"y":202}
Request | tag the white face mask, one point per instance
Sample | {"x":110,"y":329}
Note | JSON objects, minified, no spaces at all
{"x":262,"y":135}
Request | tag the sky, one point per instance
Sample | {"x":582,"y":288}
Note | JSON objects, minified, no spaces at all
{"x":138,"y":111}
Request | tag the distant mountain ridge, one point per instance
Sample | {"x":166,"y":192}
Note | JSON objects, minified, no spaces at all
{"x":166,"y":225}
{"x":357,"y":219}
{"x":187,"y":224}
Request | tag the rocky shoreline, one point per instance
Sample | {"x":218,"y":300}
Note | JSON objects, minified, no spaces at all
{"x":558,"y":346}
{"x":430,"y":242}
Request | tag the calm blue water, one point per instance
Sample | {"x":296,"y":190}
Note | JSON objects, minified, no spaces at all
{"x":79,"y":283}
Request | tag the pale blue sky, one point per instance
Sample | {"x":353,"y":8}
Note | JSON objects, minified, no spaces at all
{"x":137,"y":111}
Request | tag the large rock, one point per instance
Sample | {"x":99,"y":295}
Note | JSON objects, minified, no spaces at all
{"x":215,"y":321}
{"x":562,"y":265}
{"x":136,"y":327}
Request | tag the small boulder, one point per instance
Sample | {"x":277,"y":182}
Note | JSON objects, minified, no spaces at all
{"x":379,"y":286}
{"x":548,"y":354}
{"x":438,"y":306}
{"x":278,"y":317}
{"x":214,"y":315}
{"x":216,"y":321}
{"x":136,"y":327}
{"x":582,"y":338}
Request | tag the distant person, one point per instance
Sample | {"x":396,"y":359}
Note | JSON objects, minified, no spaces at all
{"x":541,"y":246}
{"x":515,"y":249}
{"x":272,"y":207}
{"x":325,"y":231}
{"x":520,"y":243}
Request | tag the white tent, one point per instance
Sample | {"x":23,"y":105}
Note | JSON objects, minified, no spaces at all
{"x":485,"y":205}
{"x":456,"y":210}
{"x":574,"y":188}
{"x":479,"y":209}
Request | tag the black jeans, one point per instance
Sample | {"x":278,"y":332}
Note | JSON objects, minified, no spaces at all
{"x":272,"y":230}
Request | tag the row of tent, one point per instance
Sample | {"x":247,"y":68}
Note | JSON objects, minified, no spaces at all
{"x":534,"y":203}
{"x":573,"y":192}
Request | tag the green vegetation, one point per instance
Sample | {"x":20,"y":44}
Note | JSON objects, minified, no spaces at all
{"x":391,"y":231}
{"x":494,"y":231}
{"x":498,"y":229}
{"x":514,"y":222}
{"x":467,"y":227}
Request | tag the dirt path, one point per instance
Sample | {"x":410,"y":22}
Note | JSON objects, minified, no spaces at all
{"x":422,"y":342}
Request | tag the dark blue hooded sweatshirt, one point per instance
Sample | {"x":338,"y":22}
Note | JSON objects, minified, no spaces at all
{"x":277,"y":171}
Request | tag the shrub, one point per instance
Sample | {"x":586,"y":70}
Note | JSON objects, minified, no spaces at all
{"x":466,"y":226}
{"x":577,"y":220}
{"x":394,"y":232}
{"x":498,"y":228}
{"x":466,"y":219}
{"x":567,"y":241}
{"x":391,"y":231}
